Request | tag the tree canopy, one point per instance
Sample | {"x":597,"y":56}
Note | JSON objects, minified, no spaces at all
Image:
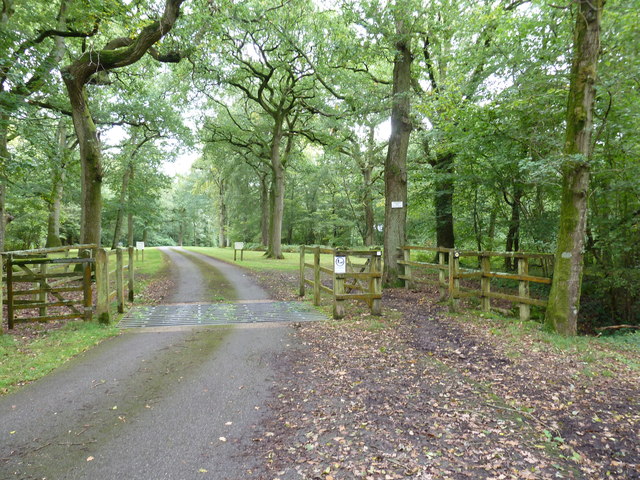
{"x":444,"y":122}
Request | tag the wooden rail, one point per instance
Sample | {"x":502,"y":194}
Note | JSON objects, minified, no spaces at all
{"x":36,"y":281}
{"x":367,"y":281}
{"x":450,"y":273}
{"x":39,"y":279}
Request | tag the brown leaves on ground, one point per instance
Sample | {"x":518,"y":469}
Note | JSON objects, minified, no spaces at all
{"x":420,"y":394}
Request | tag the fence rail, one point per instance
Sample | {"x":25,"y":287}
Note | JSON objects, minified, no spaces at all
{"x":344,"y":277}
{"x":48,"y":278}
{"x":450,"y":273}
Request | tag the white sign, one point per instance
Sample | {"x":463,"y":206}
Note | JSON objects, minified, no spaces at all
{"x":340,"y":265}
{"x":238,"y":245}
{"x":140,"y":245}
{"x":396,"y":204}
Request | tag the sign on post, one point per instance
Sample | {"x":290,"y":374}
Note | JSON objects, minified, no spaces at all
{"x":340,"y":265}
{"x":140,"y":246}
{"x":238,"y":246}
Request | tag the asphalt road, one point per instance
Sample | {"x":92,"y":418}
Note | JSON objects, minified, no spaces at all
{"x":172,"y":404}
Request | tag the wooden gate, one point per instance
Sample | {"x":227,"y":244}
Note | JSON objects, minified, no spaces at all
{"x":45,"y":284}
{"x":346,"y":276}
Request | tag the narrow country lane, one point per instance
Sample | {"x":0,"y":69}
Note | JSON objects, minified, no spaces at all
{"x":165,"y":404}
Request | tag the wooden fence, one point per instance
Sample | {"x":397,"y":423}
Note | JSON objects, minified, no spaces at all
{"x":47,"y":280}
{"x":110,"y":275}
{"x":450,"y":273}
{"x":345,"y":276}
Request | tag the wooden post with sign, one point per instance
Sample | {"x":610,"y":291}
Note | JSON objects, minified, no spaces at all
{"x":140,"y":248}
{"x":339,"y":269}
{"x":238,"y":246}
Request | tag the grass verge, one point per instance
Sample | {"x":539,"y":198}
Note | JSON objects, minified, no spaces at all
{"x":257,"y":261}
{"x":27,"y":355}
{"x":23,"y":360}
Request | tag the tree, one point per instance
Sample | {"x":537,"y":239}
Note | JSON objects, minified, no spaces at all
{"x":119,"y":52}
{"x":564,"y":298}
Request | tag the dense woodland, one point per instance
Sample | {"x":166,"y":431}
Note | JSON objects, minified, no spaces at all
{"x":491,"y":121}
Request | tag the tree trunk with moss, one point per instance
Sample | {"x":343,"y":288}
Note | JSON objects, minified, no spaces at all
{"x":564,"y":298}
{"x":395,"y":165}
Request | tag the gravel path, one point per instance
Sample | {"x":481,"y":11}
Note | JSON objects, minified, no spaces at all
{"x":176,"y":404}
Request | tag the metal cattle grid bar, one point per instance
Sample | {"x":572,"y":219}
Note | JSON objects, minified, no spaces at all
{"x":218,"y":314}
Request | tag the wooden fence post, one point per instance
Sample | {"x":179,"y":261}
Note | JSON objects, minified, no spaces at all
{"x":375,"y":285}
{"x":485,"y":282}
{"x":454,"y":281}
{"x":42,"y":285}
{"x":523,"y":288}
{"x":406,"y":256}
{"x":301,"y":291}
{"x":316,"y":276}
{"x":120,"y":279}
{"x":131,"y":275}
{"x":442,"y":280}
{"x":338,"y":289}
{"x":86,"y":293}
{"x":10,"y":291}
{"x":102,"y":285}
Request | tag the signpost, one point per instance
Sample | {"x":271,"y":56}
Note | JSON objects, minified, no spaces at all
{"x":140,"y":246}
{"x":238,"y":246}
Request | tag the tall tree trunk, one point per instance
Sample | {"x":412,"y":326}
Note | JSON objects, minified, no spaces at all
{"x":395,"y":165}
{"x":124,"y":190}
{"x":443,"y":199}
{"x":274,"y":249}
{"x":91,"y":161}
{"x":564,"y":298}
{"x":264,"y":209}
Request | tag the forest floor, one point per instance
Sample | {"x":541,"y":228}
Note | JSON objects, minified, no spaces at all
{"x":421,"y":393}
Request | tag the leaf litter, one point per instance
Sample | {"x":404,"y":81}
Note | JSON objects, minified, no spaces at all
{"x":422,"y":394}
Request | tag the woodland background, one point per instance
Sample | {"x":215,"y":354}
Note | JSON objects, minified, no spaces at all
{"x":287,"y":106}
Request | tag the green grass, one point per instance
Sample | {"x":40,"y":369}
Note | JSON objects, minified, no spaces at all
{"x":154,"y":262}
{"x":256,"y":260}
{"x":25,"y":360}
{"x":595,"y":352}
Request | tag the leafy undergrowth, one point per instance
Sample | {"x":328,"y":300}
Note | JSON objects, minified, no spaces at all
{"x":422,"y":394}
{"x":154,"y":281}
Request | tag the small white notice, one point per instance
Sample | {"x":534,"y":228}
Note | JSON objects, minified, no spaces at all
{"x":396,"y":204}
{"x":140,"y":245}
{"x":238,"y":245}
{"x":340,"y":265}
